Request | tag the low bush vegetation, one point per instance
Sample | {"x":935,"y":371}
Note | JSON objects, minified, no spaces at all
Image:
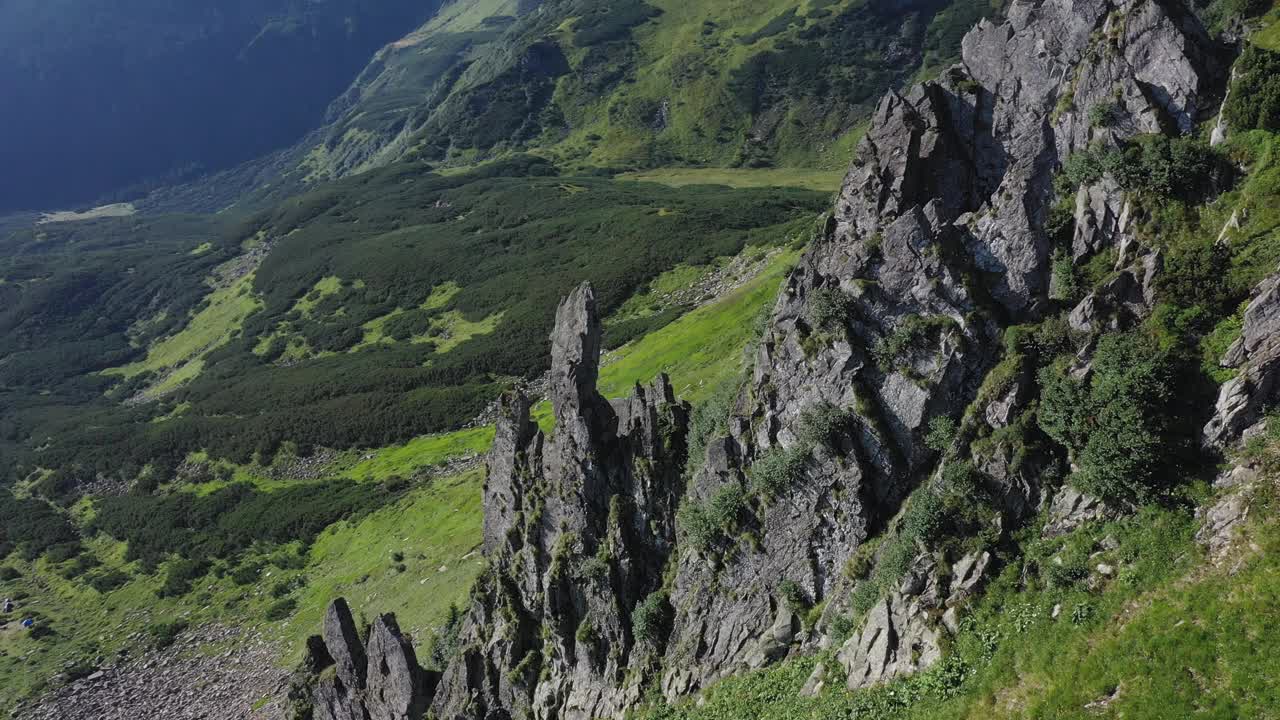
{"x":1114,"y":423}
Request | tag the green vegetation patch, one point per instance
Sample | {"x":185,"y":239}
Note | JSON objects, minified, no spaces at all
{"x":1047,"y":644}
{"x":435,"y":529}
{"x":704,"y":348}
{"x":421,"y":453}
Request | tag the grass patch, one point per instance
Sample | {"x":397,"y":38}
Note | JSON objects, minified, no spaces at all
{"x":424,"y":452}
{"x":705,"y":347}
{"x":437,"y":531}
{"x":179,"y":357}
{"x":807,"y":178}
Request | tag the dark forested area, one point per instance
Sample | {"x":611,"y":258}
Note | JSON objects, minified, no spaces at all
{"x":510,"y":240}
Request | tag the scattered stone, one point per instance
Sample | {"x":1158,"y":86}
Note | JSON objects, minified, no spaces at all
{"x":248,"y":685}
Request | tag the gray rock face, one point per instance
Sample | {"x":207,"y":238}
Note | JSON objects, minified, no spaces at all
{"x":578,"y":529}
{"x":396,"y":687}
{"x":380,"y":681}
{"x":1256,"y":354}
{"x":1121,"y":302}
{"x":342,"y":640}
{"x":938,"y":238}
{"x":1071,"y":508}
{"x":896,"y":640}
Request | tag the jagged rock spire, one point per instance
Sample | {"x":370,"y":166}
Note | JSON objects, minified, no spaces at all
{"x":578,"y":528}
{"x":575,"y":353}
{"x":342,"y":640}
{"x":379,"y":682}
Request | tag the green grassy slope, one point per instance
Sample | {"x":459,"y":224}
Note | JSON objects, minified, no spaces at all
{"x":432,"y":529}
{"x":390,"y":305}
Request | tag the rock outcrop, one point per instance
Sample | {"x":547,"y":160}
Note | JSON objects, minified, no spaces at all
{"x":378,"y":680}
{"x":938,"y":239}
{"x":578,"y":529}
{"x":1256,"y":357}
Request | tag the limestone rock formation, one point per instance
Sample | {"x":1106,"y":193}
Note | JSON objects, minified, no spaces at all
{"x":939,"y":237}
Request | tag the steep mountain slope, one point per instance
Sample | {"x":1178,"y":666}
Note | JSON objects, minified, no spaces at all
{"x":100,"y":96}
{"x":971,"y":371}
{"x":636,"y":84}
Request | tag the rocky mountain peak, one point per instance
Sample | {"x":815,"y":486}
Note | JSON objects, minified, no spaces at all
{"x":575,"y":354}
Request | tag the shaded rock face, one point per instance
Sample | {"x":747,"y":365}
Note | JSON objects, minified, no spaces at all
{"x":1256,"y":354}
{"x":938,"y":240}
{"x":578,"y":529}
{"x":380,"y":681}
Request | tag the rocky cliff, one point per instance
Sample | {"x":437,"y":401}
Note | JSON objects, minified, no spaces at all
{"x":578,"y":528}
{"x":939,"y":239}
{"x":889,"y":380}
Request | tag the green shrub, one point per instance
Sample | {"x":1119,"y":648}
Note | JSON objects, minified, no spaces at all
{"x":247,"y":573}
{"x":284,"y":587}
{"x":797,"y":600}
{"x":9,"y":574}
{"x":163,"y":634}
{"x":63,"y":552}
{"x":1064,"y":277}
{"x":1103,"y":114}
{"x":1184,"y":167}
{"x":710,"y":418}
{"x":912,"y":334}
{"x":586,"y":632}
{"x":180,"y":576}
{"x":706,"y":523}
{"x":444,"y":641}
{"x":829,"y":308}
{"x":825,"y":424}
{"x":726,"y":507}
{"x":942,"y":432}
{"x":651,"y":619}
{"x":105,"y":582}
{"x":297,"y":560}
{"x":1255,"y":96}
{"x":82,"y":564}
{"x":408,"y":324}
{"x":281,"y":610}
{"x":775,"y":472}
{"x":1113,"y":424}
